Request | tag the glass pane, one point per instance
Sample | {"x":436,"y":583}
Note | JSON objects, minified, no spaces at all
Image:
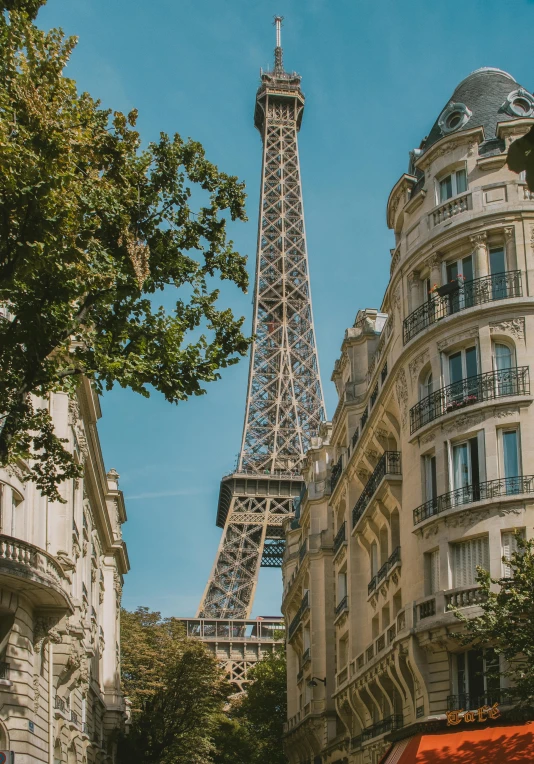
{"x":503,"y":357}
{"x":461,"y":182}
{"x":452,"y":271}
{"x":471,"y":369}
{"x":445,"y":188}
{"x":511,"y":454}
{"x":455,"y":368}
{"x":460,"y":461}
{"x":467,"y":268}
{"x":497,"y":262}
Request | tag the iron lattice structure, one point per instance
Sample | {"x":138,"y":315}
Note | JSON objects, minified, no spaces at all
{"x":285,"y":400}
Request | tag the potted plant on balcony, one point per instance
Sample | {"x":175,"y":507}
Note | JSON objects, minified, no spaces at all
{"x":451,"y":286}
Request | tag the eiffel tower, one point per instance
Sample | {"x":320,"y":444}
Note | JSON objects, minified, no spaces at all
{"x":284,"y":406}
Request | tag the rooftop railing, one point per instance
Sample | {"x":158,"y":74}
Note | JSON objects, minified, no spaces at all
{"x":468,"y":494}
{"x":492,"y":385}
{"x":498,"y":286}
{"x":388,"y":464}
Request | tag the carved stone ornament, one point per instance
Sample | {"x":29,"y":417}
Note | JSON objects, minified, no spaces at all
{"x":467,"y":518}
{"x":513,"y":327}
{"x":479,"y":239}
{"x":417,"y":364}
{"x":508,"y":233}
{"x":502,"y":413}
{"x":45,"y":629}
{"x":433,"y":261}
{"x":414,"y":279}
{"x":396,"y":299}
{"x":467,"y":334}
{"x":532,"y":237}
{"x":464,"y":422}
{"x":428,"y":438}
{"x":401,"y":391}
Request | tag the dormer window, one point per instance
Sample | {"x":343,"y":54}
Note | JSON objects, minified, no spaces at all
{"x":519,"y":103}
{"x":454,"y":117}
{"x":453,"y":184}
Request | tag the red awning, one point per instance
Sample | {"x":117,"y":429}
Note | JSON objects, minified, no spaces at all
{"x":491,"y":745}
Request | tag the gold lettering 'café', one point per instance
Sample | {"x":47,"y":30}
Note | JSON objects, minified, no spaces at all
{"x":427,"y":468}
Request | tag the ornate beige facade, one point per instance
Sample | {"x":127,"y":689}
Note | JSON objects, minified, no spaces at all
{"x":61,"y":572}
{"x":428,"y":465}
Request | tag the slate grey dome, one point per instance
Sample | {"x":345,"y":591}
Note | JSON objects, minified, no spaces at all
{"x":484,"y":98}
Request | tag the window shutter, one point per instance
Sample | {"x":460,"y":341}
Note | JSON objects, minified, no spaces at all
{"x":467,"y":556}
{"x":434,"y":571}
{"x":508,"y":547}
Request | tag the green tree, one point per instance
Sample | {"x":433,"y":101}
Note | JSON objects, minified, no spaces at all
{"x":507,"y":620}
{"x":176,"y":688}
{"x":93,"y":228}
{"x":261,"y":714}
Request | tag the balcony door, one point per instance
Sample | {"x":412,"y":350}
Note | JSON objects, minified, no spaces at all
{"x":463,"y":271}
{"x":462,"y":372}
{"x":504,"y":364}
{"x":477,"y":678}
{"x":497,"y":263}
{"x":467,"y":469}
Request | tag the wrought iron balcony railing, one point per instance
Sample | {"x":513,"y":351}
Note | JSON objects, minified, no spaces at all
{"x":60,"y":704}
{"x":341,"y":537}
{"x":490,"y":386}
{"x":476,"y":292}
{"x":304,"y":605}
{"x":4,"y":670}
{"x":469,"y":702}
{"x":392,"y":560}
{"x":342,"y":605}
{"x":303,"y":549}
{"x":468,"y":494}
{"x":393,"y":722}
{"x":337,"y":469}
{"x":388,"y":464}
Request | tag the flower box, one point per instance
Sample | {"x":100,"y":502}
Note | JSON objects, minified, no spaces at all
{"x":449,"y":288}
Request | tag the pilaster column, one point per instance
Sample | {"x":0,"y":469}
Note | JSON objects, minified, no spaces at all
{"x":433,"y":263}
{"x":509,"y":248}
{"x":480,"y":251}
{"x":414,"y":285}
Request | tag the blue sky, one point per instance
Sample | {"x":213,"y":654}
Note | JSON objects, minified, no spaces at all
{"x":376,"y":74}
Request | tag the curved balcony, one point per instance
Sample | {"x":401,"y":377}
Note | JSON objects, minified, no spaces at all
{"x":490,"y":386}
{"x":388,"y":464}
{"x":468,"y":494}
{"x":38,"y":575}
{"x":498,"y":286}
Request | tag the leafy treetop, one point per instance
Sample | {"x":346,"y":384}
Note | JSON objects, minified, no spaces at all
{"x":93,"y":227}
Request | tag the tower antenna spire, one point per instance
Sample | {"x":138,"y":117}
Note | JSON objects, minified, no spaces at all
{"x":278,"y":57}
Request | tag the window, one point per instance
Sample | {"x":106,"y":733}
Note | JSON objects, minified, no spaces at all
{"x":503,"y":363}
{"x":429,"y":473}
{"x":453,"y":184}
{"x":466,"y":556}
{"x":427,"y":386}
{"x":462,"y":372}
{"x":511,"y":461}
{"x":341,"y":587}
{"x":463,"y":271}
{"x":477,"y":678}
{"x":508,"y":548}
{"x":499,"y":285}
{"x":374,"y":559}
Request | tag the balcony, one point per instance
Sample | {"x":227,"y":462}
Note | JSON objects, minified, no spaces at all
{"x":468,"y":702}
{"x":303,"y":550}
{"x":341,"y":537}
{"x":342,"y":605}
{"x":392,"y":561}
{"x":28,"y":569}
{"x":60,"y":705}
{"x":465,"y":598}
{"x":451,"y":208}
{"x":306,"y":656}
{"x":337,"y":469}
{"x":4,"y":670}
{"x":295,"y":623}
{"x":74,"y":717}
{"x":427,"y":609}
{"x":388,"y":464}
{"x":388,"y":724}
{"x":493,"y":385}
{"x":499,"y":286}
{"x":490,"y":489}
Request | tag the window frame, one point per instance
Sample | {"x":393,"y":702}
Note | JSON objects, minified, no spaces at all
{"x":473,"y":573}
{"x":451,"y":172}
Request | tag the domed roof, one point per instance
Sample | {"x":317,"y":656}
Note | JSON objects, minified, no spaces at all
{"x":484,"y":98}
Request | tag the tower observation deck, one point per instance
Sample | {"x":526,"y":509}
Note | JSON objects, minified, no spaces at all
{"x":284,"y":406}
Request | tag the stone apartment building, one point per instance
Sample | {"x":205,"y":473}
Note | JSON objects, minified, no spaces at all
{"x":61,"y":575}
{"x":427,"y":467}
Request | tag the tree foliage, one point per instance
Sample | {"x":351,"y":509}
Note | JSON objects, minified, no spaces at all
{"x":93,"y":228}
{"x":507,"y":620}
{"x":256,"y":719}
{"x":176,"y":688}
